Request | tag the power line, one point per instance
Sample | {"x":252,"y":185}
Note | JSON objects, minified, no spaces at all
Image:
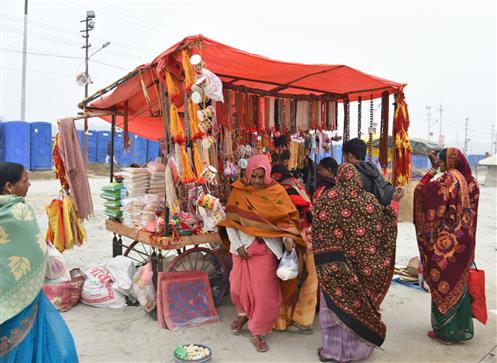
{"x":62,"y":56}
{"x":69,"y":31}
{"x":58,"y":39}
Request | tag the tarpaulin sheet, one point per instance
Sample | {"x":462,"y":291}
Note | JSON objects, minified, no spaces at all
{"x":239,"y":68}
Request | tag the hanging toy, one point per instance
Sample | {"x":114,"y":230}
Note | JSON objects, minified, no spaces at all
{"x":206,"y":113}
{"x":209,"y":174}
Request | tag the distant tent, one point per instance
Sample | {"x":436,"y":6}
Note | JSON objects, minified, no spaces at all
{"x":491,"y":163}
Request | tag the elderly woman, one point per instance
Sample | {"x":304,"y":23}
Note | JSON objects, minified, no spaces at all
{"x":261,"y":222}
{"x":445,"y":215}
{"x":354,"y":248}
{"x":31,"y":329}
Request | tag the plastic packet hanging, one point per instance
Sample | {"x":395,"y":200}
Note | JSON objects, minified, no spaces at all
{"x":289,"y":266}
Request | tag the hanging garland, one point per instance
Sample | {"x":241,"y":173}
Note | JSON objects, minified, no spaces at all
{"x":402,"y":147}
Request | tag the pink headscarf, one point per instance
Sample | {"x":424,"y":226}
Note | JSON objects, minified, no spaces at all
{"x":256,"y":162}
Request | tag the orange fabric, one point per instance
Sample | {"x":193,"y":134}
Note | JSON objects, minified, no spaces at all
{"x":249,"y":70}
{"x":266,"y":212}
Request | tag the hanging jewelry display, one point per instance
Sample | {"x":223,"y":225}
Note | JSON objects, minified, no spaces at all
{"x":384,"y":131}
{"x":346,"y":119}
{"x":359,"y":117}
{"x":371,"y":129}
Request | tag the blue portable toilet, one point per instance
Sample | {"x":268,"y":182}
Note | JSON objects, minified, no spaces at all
{"x":15,"y":142}
{"x":1,"y":142}
{"x":138,"y":149}
{"x":81,"y":135}
{"x":41,"y":146}
{"x":337,"y":152}
{"x":123,"y":157}
{"x":92,"y":144}
{"x":103,"y":140}
{"x":153,"y":148}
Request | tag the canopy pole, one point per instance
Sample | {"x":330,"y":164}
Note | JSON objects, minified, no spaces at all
{"x":113,"y":134}
{"x":384,"y":131}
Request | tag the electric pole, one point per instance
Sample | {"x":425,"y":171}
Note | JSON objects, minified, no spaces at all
{"x":493,"y":148}
{"x":89,"y":25}
{"x":441,"y":140}
{"x":428,"y":110}
{"x":24,"y":59}
{"x":466,"y":140}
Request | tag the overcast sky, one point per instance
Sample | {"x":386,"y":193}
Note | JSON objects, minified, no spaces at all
{"x":444,"y":50}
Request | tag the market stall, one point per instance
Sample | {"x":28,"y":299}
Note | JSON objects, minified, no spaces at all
{"x":212,"y":107}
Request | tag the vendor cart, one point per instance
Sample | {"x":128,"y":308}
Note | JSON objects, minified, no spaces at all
{"x":187,"y":253}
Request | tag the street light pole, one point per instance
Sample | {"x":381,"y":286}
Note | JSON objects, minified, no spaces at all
{"x":24,"y":60}
{"x":89,"y":25}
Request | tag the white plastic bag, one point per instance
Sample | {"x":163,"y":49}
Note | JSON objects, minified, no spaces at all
{"x":122,"y":269}
{"x":56,"y":266}
{"x":289,"y":266}
{"x":143,"y":287}
{"x":214,"y":87}
{"x":98,"y":290}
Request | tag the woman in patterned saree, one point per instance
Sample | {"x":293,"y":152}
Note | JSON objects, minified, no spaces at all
{"x":354,"y":247}
{"x":445,"y":215}
{"x":260,"y":221}
{"x":31,"y":329}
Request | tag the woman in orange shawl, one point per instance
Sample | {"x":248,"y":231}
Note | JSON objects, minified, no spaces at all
{"x":261,"y":220}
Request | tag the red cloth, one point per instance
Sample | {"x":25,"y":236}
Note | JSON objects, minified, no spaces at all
{"x":239,"y":68}
{"x":255,"y":289}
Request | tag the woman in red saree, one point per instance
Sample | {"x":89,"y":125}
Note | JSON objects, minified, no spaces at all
{"x":261,"y":222}
{"x":354,"y":248}
{"x":445,"y":215}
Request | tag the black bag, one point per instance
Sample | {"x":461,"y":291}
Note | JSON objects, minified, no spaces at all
{"x":374,"y":182}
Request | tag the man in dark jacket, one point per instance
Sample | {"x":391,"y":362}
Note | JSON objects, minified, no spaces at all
{"x":354,"y":152}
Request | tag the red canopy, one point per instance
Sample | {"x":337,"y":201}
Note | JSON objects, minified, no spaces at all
{"x":236,"y":68}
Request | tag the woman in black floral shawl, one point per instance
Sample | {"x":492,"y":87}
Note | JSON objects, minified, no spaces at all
{"x":354,"y":245}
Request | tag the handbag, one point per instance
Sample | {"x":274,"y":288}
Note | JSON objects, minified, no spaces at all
{"x":476,"y":289}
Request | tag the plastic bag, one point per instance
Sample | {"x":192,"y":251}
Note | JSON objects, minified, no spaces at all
{"x":289,"y":266}
{"x":122,"y":270}
{"x":143,"y":287}
{"x":214,"y":87}
{"x":56,"y":266}
{"x":476,"y":289}
{"x":98,"y":290}
{"x":65,"y":294}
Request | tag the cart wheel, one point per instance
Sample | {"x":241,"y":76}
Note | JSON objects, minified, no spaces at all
{"x":141,"y":253}
{"x":204,"y":259}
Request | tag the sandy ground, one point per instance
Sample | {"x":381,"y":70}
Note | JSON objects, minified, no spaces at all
{"x":130,"y":335}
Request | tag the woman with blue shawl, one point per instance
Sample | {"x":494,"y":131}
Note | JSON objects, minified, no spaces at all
{"x":31,"y":329}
